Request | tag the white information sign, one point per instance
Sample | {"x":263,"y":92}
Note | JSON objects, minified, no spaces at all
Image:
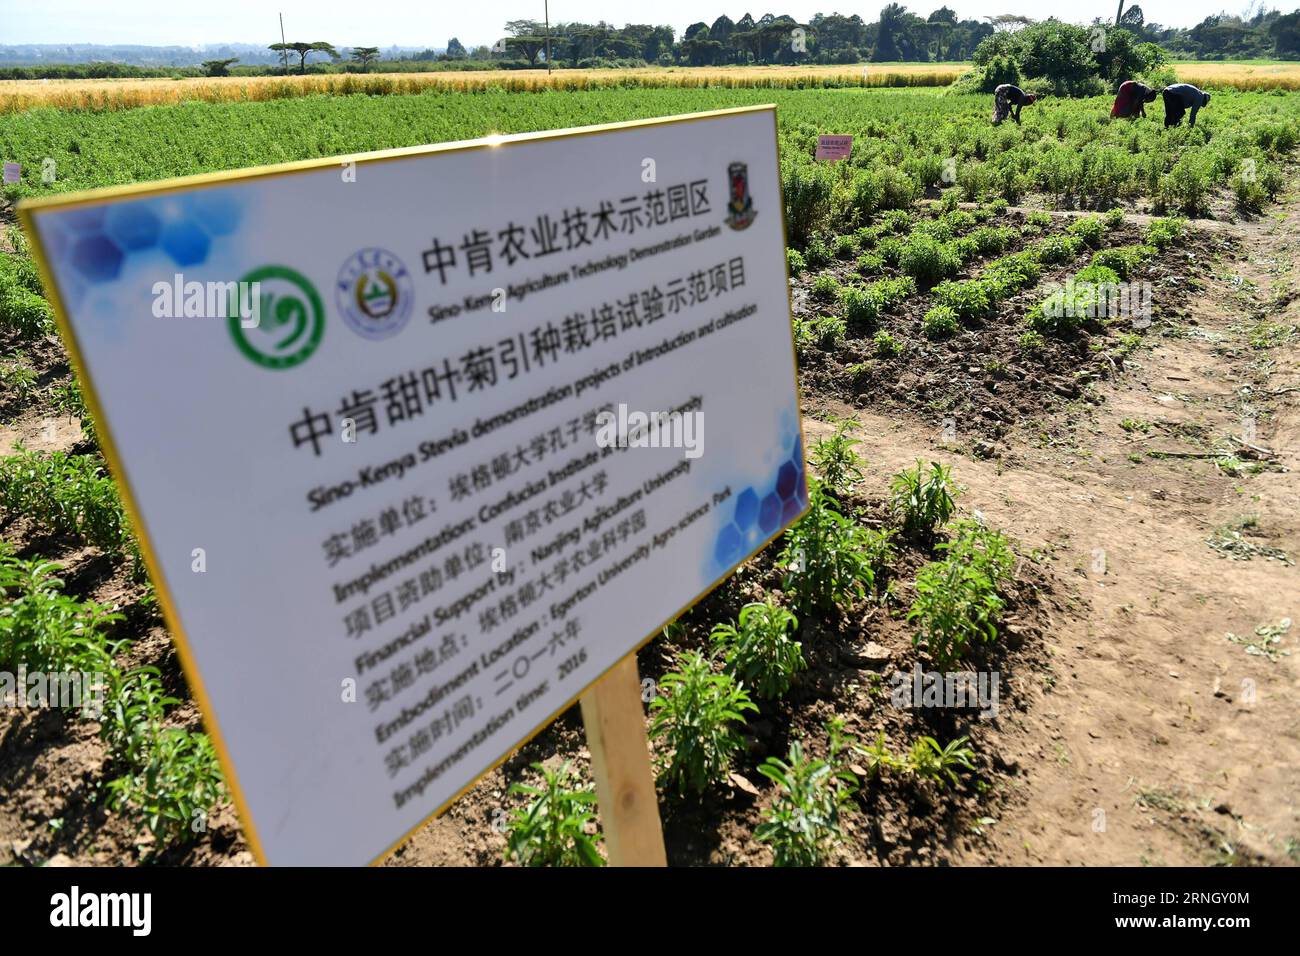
{"x":386,"y":425}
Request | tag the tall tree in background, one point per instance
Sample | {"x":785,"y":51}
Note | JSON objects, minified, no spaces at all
{"x":305,"y":50}
{"x":365,"y":55}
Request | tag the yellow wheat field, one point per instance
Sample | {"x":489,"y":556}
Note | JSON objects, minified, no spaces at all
{"x":18,"y":95}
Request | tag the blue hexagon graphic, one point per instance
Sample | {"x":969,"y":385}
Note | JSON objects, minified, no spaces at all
{"x":214,"y":211}
{"x":88,"y":219}
{"x":185,"y":242}
{"x":728,"y":548}
{"x":769,"y":514}
{"x":790,"y":510}
{"x":133,"y":227}
{"x":97,"y":258}
{"x":786,"y":479}
{"x":746,"y":509}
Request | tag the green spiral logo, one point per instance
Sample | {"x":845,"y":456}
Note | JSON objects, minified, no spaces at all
{"x":291,"y":322}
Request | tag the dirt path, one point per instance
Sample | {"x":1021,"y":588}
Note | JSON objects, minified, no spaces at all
{"x":1157,"y":741}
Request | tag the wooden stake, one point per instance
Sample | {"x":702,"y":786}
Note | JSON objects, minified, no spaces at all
{"x":620,"y":759}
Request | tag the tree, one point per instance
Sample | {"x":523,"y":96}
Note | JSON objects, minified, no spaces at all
{"x":365,"y":55}
{"x":1285,"y":31}
{"x":1009,"y":22}
{"x":455,"y":50}
{"x":304,"y":50}
{"x":219,"y":67}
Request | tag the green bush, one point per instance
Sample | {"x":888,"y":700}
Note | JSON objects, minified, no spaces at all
{"x":1090,"y":230}
{"x":826,"y":288}
{"x":837,"y":461}
{"x":694,"y":713}
{"x":1162,"y":233}
{"x":551,"y":828}
{"x":927,"y":260}
{"x":830,"y":561}
{"x":1123,"y":260}
{"x":956,"y":605}
{"x":758,"y":650}
{"x":804,"y":821}
{"x":795,"y":262}
{"x":940,"y":322}
{"x":807,"y":190}
{"x":968,"y":300}
{"x":923,"y":500}
{"x":861,"y":310}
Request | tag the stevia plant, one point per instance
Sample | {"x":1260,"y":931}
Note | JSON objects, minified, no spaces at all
{"x":923,"y":499}
{"x":805,"y":821}
{"x":694,"y":714}
{"x":758,"y":649}
{"x":552,"y":827}
{"x":837,"y":461}
{"x":830,"y":561}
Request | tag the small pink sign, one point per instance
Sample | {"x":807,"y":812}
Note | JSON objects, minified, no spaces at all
{"x":13,"y":172}
{"x":834,"y":148}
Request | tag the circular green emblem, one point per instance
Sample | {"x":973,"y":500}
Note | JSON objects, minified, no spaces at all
{"x":287,"y":320}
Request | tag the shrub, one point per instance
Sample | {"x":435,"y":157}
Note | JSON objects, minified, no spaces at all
{"x":1162,"y":233}
{"x":887,"y":346}
{"x":1114,"y":219}
{"x":693,"y":714}
{"x":551,"y":828}
{"x":956,"y":604}
{"x":927,"y":260}
{"x":803,"y":822}
{"x":861,"y":309}
{"x":1055,"y":250}
{"x":922,"y":499}
{"x":829,"y":560}
{"x":940,"y":322}
{"x":817,"y":255}
{"x":794,"y":261}
{"x":870,"y":263}
{"x":846,"y":247}
{"x":992,"y":240}
{"x":1090,"y":230}
{"x":807,"y":190}
{"x":967,"y":300}
{"x":25,"y":312}
{"x":1123,"y":260}
{"x":837,"y":461}
{"x":758,"y":651}
{"x":825,"y":287}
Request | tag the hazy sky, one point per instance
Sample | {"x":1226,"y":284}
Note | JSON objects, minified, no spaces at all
{"x":425,"y":23}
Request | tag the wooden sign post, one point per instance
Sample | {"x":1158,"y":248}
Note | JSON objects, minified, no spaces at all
{"x":620,"y":761}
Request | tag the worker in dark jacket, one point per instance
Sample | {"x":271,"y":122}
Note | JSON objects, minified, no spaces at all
{"x":1132,"y":99}
{"x":1180,"y":98}
{"x":1008,"y":100}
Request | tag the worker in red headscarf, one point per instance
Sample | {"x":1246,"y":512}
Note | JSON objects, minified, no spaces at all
{"x":1131,"y":100}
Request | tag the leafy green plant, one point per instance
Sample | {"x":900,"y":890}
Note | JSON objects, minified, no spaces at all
{"x":1162,"y":233}
{"x":982,"y":548}
{"x":171,"y":776}
{"x":860,"y":310}
{"x":929,"y":760}
{"x":825,"y":287}
{"x":923,"y":499}
{"x":758,"y":650}
{"x":970,"y":299}
{"x":830,"y":561}
{"x":694,"y":714}
{"x":795,"y":263}
{"x":551,"y":829}
{"x":805,"y":820}
{"x":69,"y":494}
{"x":927,"y":260}
{"x":837,"y":460}
{"x":940,"y":323}
{"x":887,"y":346}
{"x":956,"y":605}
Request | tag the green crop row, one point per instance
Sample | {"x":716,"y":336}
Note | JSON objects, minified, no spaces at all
{"x":166,"y":778}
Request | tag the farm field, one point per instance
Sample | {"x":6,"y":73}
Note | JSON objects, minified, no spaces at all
{"x":1098,"y":508}
{"x":19,"y":95}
